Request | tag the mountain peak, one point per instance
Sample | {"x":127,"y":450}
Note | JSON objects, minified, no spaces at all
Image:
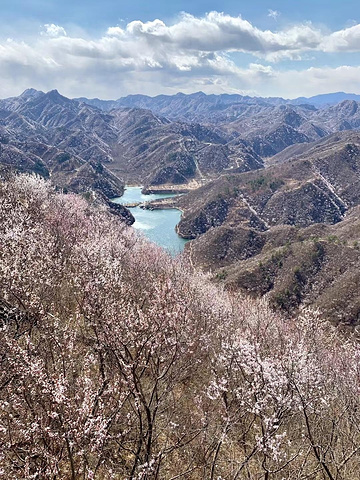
{"x":53,"y":93}
{"x":55,"y":96}
{"x":198,"y":94}
{"x":30,"y":92}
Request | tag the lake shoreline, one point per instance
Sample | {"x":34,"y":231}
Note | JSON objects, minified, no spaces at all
{"x":156,"y":216}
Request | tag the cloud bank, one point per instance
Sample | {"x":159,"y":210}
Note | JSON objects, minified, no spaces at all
{"x":193,"y":53}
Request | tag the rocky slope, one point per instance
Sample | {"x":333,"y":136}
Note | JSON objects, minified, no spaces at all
{"x":317,"y":266}
{"x":153,"y":150}
{"x":57,"y":138}
{"x":290,"y":230}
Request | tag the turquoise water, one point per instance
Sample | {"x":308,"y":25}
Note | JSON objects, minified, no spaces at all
{"x":157,"y":225}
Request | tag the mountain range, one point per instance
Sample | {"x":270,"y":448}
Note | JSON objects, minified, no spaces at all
{"x":268,"y":125}
{"x":184,"y":102}
{"x":134,"y":144}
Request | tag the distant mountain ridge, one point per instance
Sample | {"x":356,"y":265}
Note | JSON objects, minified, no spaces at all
{"x":173,"y":139}
{"x":267,"y":125}
{"x":326,"y":99}
{"x":160,"y":101}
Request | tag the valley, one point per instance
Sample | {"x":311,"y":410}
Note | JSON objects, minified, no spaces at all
{"x":270,"y":188}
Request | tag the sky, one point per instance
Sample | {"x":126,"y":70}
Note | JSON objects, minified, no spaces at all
{"x":112,"y":48}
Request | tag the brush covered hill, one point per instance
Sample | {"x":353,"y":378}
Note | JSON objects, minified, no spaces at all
{"x":118,"y":361}
{"x":155,"y":151}
{"x":290,"y":231}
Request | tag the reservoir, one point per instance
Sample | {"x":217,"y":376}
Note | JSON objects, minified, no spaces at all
{"x":157,"y":225}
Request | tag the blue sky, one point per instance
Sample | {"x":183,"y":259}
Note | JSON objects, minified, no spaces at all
{"x":96,"y":15}
{"x":113,"y":48}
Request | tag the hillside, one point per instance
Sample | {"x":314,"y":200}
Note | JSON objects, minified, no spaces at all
{"x":290,"y":229}
{"x":120,"y":362}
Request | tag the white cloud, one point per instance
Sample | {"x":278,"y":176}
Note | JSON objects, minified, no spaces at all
{"x":347,"y":40}
{"x":218,"y":32}
{"x":194,"y":52}
{"x":115,"y":32}
{"x":52,"y":30}
{"x":313,"y":81}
